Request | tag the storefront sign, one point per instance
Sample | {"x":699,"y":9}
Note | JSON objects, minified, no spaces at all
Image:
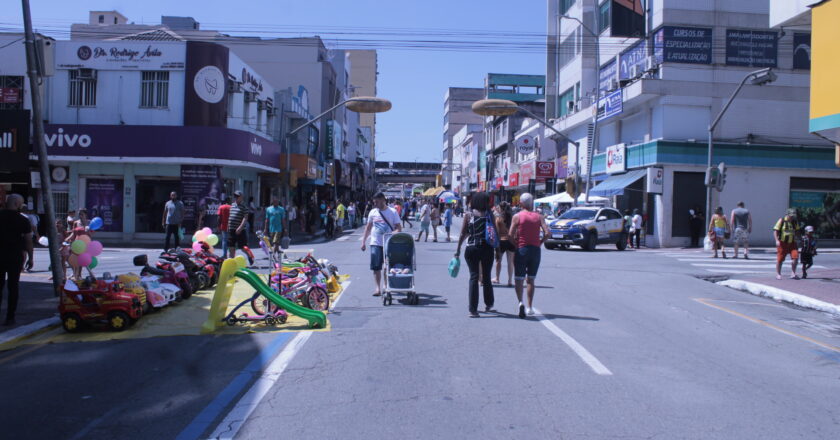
{"x":802,"y":51}
{"x":610,"y":105}
{"x":14,"y":140}
{"x":206,"y":90}
{"x":505,"y":171}
{"x":498,"y":183}
{"x":751,"y":48}
{"x":514,"y":180}
{"x":525,"y":144}
{"x":678,"y":44}
{"x":607,"y":73}
{"x":545,"y":170}
{"x":201,"y":192}
{"x":164,"y":141}
{"x":561,"y":166}
{"x":526,"y":173}
{"x":655,"y":180}
{"x":635,"y":56}
{"x":616,"y":159}
{"x":311,"y":169}
{"x":10,"y":95}
{"x":104,"y":199}
{"x":120,"y":55}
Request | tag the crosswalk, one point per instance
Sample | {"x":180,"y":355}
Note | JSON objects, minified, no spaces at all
{"x":702,"y":260}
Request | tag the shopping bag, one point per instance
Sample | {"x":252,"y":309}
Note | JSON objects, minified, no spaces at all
{"x":454,"y":266}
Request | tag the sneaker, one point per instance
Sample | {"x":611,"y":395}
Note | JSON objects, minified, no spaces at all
{"x":746,"y":256}
{"x":794,"y":277}
{"x":489,"y":309}
{"x":473,"y":315}
{"x":804,"y":274}
{"x":522,"y":311}
{"x":778,"y":277}
{"x":530,"y":311}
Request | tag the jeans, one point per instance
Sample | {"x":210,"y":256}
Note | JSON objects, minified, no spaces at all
{"x":171,"y":230}
{"x":636,"y":236}
{"x":10,"y":270}
{"x":480,"y":256}
{"x":224,"y":243}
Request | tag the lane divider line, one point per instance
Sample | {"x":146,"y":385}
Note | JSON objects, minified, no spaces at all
{"x":707,"y":302}
{"x":580,"y":350}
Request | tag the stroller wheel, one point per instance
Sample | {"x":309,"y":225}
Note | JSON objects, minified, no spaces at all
{"x":390,"y":299}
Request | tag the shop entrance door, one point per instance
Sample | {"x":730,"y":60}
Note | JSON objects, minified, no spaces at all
{"x":689,"y":192}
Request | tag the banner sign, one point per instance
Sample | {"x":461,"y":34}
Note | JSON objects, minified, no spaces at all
{"x":10,"y":95}
{"x":616,"y":159}
{"x":14,"y":140}
{"x":201,"y":192}
{"x":655,"y":180}
{"x":802,"y":51}
{"x":561,"y":166}
{"x":545,"y":170}
{"x":120,"y":55}
{"x":104,"y":199}
{"x":679,"y":44}
{"x":609,"y":105}
{"x":514,"y":180}
{"x":526,"y":173}
{"x":608,"y":72}
{"x":505,"y":171}
{"x":205,"y":90}
{"x":635,"y":56}
{"x":751,"y":48}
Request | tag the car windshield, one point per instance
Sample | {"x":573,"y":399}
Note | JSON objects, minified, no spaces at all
{"x":579,"y":214}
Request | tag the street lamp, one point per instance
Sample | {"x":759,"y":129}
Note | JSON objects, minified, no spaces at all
{"x":358,"y":104}
{"x":758,"y":78}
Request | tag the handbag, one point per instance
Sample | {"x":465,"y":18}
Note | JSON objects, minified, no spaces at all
{"x":491,"y":235}
{"x":454,"y":266}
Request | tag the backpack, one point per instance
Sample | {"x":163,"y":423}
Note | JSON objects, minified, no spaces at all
{"x":491,"y":235}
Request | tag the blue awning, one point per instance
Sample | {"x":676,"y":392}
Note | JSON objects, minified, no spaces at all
{"x":614,"y":185}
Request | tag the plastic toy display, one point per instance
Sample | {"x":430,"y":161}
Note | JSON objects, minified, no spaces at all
{"x":95,"y":302}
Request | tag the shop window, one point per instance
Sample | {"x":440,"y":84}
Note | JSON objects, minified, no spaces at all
{"x":82,"y":88}
{"x":567,"y":98}
{"x":604,"y":16}
{"x":154,"y":90}
{"x":12,"y":94}
{"x":818,"y":204}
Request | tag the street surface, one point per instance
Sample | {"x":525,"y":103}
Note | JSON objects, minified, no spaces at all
{"x":630,"y":345}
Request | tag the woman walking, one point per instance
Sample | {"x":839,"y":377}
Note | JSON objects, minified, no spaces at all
{"x":506,"y":248}
{"x":435,"y":220}
{"x":479,"y":254}
{"x":718,"y":230}
{"x":425,"y":220}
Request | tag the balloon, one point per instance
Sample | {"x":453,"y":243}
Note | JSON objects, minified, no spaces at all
{"x":196,"y":246}
{"x":212,"y":239}
{"x":195,"y":239}
{"x":96,"y":223}
{"x":84,"y":259}
{"x":93,"y":263}
{"x":44,"y":241}
{"x":94,"y":248}
{"x":78,"y":247}
{"x":73,"y":259}
{"x":200,"y":236}
{"x":207,"y":231}
{"x":85,"y":238}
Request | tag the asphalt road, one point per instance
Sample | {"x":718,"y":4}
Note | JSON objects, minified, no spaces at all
{"x":626,"y":345}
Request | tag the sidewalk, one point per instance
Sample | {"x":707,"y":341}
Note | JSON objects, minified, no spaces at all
{"x":37,"y":308}
{"x":820,"y":291}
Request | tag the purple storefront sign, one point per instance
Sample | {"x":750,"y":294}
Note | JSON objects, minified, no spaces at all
{"x":201,"y":192}
{"x":104,"y":198}
{"x":160,"y":141}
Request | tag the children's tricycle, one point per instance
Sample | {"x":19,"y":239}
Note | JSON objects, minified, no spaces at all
{"x":92,"y":301}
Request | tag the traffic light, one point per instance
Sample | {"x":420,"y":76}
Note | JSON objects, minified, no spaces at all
{"x":721,"y":176}
{"x":712,"y":177}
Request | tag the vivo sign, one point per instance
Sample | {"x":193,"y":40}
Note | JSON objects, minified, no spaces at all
{"x":60,"y":139}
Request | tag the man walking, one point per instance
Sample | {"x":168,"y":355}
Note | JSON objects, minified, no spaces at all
{"x":787,"y":234}
{"x":381,"y":220}
{"x":15,"y":240}
{"x":741,"y":221}
{"x":237,"y":222}
{"x":525,"y":233}
{"x":340,"y":215}
{"x":173,"y":215}
{"x":275,"y":215}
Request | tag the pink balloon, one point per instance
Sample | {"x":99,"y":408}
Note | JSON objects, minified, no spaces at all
{"x":94,"y":248}
{"x":207,"y":231}
{"x":84,"y":259}
{"x":196,"y":247}
{"x":84,"y":238}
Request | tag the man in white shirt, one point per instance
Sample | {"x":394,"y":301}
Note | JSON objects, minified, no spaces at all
{"x":381,"y":221}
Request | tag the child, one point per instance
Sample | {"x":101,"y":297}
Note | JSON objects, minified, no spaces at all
{"x":447,"y":221}
{"x":809,"y":249}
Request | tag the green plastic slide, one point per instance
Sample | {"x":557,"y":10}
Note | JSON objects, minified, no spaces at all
{"x":316,"y":319}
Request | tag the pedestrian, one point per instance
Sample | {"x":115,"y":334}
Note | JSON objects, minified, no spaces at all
{"x":237,"y":222}
{"x":322,"y":210}
{"x":741,"y":221}
{"x":62,"y":233}
{"x":425,"y":216}
{"x":275,"y":216}
{"x":525,"y":230}
{"x":15,"y":241}
{"x":82,"y":221}
{"x":329,"y":229}
{"x":435,"y":216}
{"x":506,"y":248}
{"x":787,"y":233}
{"x":70,"y":221}
{"x":80,"y":228}
{"x":628,"y":224}
{"x":447,"y":221}
{"x":479,"y":253}
{"x":224,"y":215}
{"x":351,"y":215}
{"x":340,"y":215}
{"x":173,"y":215}
{"x":636,"y":228}
{"x":406,"y":214}
{"x":381,"y":221}
{"x":809,"y":250}
{"x":718,"y":231}
{"x":33,"y":220}
{"x":303,"y":214}
{"x":695,"y":225}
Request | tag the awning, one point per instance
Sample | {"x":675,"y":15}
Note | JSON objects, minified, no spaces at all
{"x":614,"y":185}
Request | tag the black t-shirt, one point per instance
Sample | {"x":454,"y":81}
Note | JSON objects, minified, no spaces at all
{"x":12,"y":228}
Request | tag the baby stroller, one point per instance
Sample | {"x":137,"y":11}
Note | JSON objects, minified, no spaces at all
{"x":399,"y":268}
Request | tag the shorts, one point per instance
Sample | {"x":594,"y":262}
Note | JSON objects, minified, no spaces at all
{"x":526,"y":261}
{"x":784,"y":249}
{"x":720,"y":233}
{"x":742,"y":236}
{"x":377,"y":257}
{"x":275,"y":237}
{"x":807,"y":259}
{"x":424,"y":227}
{"x":504,"y":246}
{"x":235,"y":240}
{"x":447,"y":227}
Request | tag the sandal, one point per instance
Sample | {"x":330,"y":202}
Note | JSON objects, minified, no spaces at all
{"x":377,"y":293}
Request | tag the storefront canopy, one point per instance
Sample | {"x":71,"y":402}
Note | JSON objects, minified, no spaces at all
{"x":567,"y":198}
{"x":432,"y":192}
{"x":614,"y":185}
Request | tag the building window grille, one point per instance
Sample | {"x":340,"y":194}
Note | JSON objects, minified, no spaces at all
{"x":154,"y":90}
{"x":82,"y":88}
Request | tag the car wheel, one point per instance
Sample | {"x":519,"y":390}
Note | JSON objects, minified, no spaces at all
{"x":550,"y":246}
{"x":622,"y":242}
{"x":591,"y":242}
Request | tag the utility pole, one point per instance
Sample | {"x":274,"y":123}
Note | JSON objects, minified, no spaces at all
{"x":38,"y":124}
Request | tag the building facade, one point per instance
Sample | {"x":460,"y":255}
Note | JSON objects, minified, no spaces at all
{"x":457,"y":113}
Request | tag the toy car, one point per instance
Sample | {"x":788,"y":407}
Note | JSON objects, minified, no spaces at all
{"x":131,"y":284}
{"x":159,"y":294}
{"x":92,"y":301}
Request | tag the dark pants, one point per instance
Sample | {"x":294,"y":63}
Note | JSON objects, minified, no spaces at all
{"x":10,"y":270}
{"x":173,"y":230}
{"x":695,"y":237}
{"x":480,"y":256}
{"x":636,"y":236}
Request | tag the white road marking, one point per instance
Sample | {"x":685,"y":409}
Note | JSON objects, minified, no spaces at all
{"x":343,"y":238}
{"x":582,"y":352}
{"x":748,"y":266}
{"x":710,"y":259}
{"x":737,"y":271}
{"x":361,"y":237}
{"x":242,"y":410}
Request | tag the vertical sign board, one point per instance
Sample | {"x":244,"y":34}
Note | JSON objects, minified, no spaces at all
{"x":655,"y":180}
{"x":104,"y":199}
{"x":607,"y":72}
{"x":609,"y":105}
{"x":616,"y":159}
{"x":680,"y":44}
{"x":205,"y":102}
{"x":201,"y":192}
{"x":635,"y":56}
{"x":751,"y":48}
{"x":802,"y":51}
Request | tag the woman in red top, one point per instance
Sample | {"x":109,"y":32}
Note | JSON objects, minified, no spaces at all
{"x":525,"y":232}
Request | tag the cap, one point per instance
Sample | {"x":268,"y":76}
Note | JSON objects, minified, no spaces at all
{"x":809,"y":229}
{"x":237,"y":193}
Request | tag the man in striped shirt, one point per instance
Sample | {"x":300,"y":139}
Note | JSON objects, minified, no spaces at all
{"x":237,"y":221}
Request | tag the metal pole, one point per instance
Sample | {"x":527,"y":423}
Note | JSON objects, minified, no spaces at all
{"x":43,"y":162}
{"x":592,"y":147}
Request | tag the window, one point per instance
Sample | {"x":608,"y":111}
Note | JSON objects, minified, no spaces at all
{"x":567,"y":97}
{"x":11,"y":99}
{"x":260,"y":115}
{"x":154,"y":90}
{"x":565,"y":5}
{"x":101,"y":19}
{"x":246,"y":109}
{"x":569,"y":48}
{"x":82,"y":88}
{"x":604,"y":16}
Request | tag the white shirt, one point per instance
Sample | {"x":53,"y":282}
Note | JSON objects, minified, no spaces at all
{"x":637,"y":222}
{"x":379,"y":227}
{"x":425,"y":213}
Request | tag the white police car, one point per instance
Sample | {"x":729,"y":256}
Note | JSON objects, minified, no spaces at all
{"x":587,"y":227}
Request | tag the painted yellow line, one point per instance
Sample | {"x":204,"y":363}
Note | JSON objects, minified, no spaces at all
{"x":21,"y":353}
{"x":706,"y":302}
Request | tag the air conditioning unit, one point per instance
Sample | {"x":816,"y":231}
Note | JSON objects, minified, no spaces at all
{"x":614,"y":83}
{"x":250,"y":96}
{"x":87,"y":74}
{"x":634,"y":72}
{"x":234,"y":87}
{"x":650,"y":64}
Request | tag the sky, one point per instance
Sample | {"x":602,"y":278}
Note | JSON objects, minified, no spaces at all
{"x":460,"y":42}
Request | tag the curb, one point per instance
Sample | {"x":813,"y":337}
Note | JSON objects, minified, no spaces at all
{"x":781,"y":295}
{"x":28,"y":330}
